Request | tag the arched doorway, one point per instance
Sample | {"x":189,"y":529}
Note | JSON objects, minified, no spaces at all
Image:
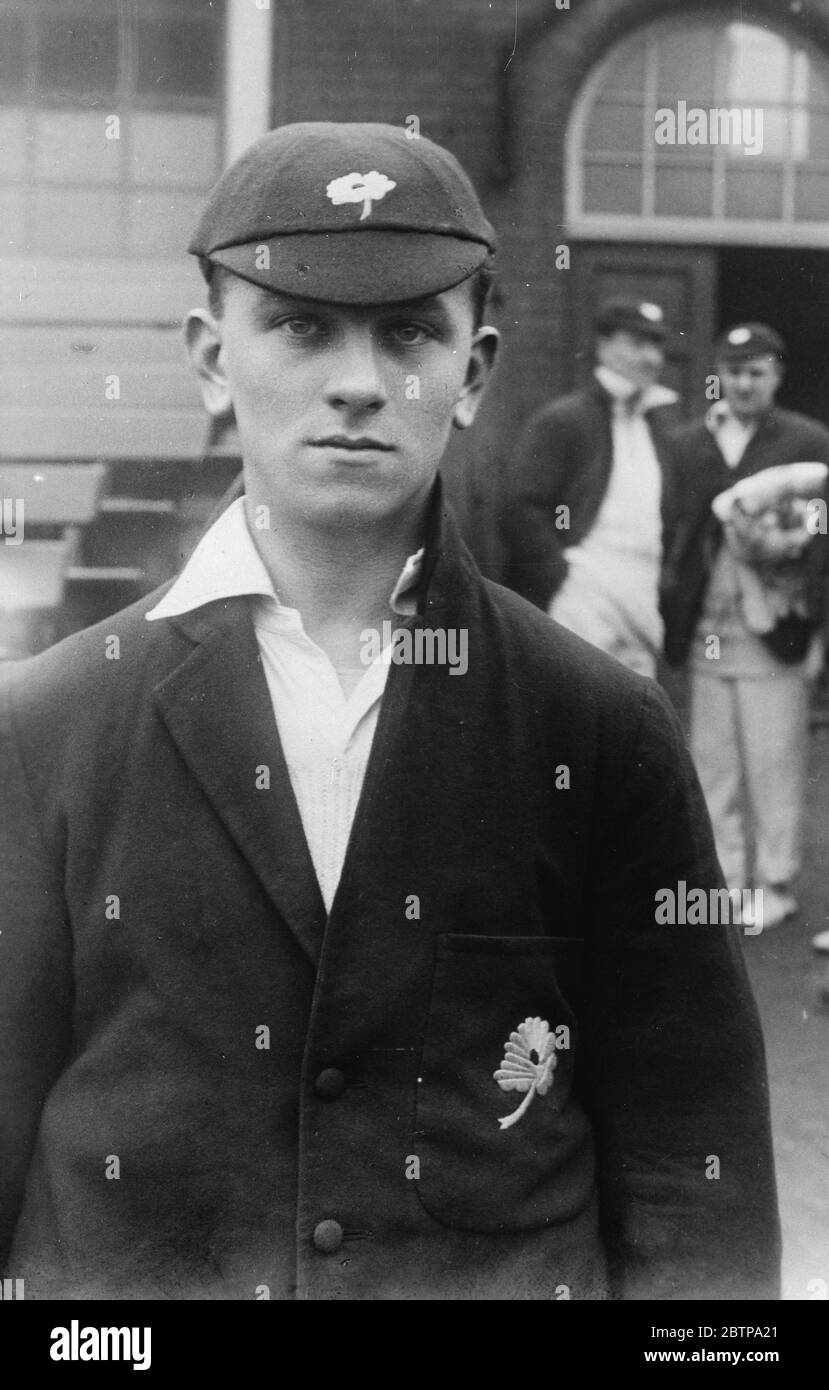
{"x":697,"y":174}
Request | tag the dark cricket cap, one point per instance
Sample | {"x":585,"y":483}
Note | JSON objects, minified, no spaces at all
{"x":624,"y":315}
{"x":349,"y":213}
{"x":747,"y":340}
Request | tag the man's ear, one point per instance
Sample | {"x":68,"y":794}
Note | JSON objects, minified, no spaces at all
{"x":203,"y":336}
{"x":482,"y":356}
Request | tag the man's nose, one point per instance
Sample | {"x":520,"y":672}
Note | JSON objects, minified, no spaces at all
{"x":356,"y":379}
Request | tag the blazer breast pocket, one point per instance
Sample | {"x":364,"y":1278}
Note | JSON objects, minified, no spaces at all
{"x":512,"y":1152}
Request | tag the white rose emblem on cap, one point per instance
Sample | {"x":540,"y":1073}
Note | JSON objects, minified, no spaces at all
{"x":651,"y":312}
{"x":739,"y":335}
{"x":360,"y":188}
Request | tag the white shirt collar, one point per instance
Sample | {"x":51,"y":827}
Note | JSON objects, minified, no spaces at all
{"x":731,"y":435}
{"x":721,"y":415}
{"x":621,"y":389}
{"x":226,"y":564}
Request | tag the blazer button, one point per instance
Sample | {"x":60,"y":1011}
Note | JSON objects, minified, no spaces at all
{"x":328,"y":1237}
{"x":330,"y":1084}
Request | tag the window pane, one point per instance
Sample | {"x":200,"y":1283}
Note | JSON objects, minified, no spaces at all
{"x":753,"y":192}
{"x":818,"y":136}
{"x":616,"y":128}
{"x":71,"y":147}
{"x":613,"y":188}
{"x":180,"y":148}
{"x":818,"y":83}
{"x":161,"y":224}
{"x":77,"y":57}
{"x":72,"y":223}
{"x":626,"y":72}
{"x":12,"y":53}
{"x":687,"y":61}
{"x":812,"y":197}
{"x":683,"y":191}
{"x":770,"y":135}
{"x":758,"y":65}
{"x":12,"y":143}
{"x":12,"y":213}
{"x":176,"y":59}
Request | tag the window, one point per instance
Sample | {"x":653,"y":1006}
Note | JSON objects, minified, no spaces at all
{"x":700,"y":129}
{"x":109,"y":124}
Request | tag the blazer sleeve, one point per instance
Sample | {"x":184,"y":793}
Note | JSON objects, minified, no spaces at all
{"x":689,"y":539}
{"x":35,"y":977}
{"x":677,"y":1074}
{"x":536,"y":567}
{"x":673,"y":499}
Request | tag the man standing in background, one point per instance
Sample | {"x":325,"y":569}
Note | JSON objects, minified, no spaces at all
{"x":749,"y":688}
{"x":584,"y":524}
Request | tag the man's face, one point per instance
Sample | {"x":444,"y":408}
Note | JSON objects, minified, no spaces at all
{"x":343,"y":412}
{"x":750,"y":387}
{"x":633,"y":355}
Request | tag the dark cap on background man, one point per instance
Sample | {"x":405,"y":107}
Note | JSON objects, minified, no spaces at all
{"x":349,"y":213}
{"x":625,"y":315}
{"x":747,"y":340}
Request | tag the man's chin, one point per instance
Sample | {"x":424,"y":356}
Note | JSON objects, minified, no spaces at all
{"x":357,"y":505}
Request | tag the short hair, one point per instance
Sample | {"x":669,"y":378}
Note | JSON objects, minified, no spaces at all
{"x":480,"y":284}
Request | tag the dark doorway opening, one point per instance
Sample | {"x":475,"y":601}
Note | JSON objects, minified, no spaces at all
{"x":788,"y":289}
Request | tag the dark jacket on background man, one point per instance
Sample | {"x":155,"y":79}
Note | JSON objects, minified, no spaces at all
{"x":564,"y":458}
{"x":693,"y":535}
{"x":359,"y":1154}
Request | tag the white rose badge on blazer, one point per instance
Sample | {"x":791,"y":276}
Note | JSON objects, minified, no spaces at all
{"x":528,"y":1065}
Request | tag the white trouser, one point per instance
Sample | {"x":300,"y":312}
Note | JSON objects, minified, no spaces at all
{"x":749,"y":740}
{"x":610,"y":599}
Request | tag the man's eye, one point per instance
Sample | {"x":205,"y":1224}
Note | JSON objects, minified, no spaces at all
{"x":300,"y":328}
{"x":296,"y":326}
{"x":409,"y":334}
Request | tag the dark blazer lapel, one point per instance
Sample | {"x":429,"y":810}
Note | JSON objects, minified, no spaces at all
{"x":660,"y":437}
{"x":755,"y":451}
{"x":377,"y":808}
{"x":713,"y":474}
{"x":592,"y":460}
{"x":445,"y":599}
{"x":217,"y":708}
{"x":600,"y":406}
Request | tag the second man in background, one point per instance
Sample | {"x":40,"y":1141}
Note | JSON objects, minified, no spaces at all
{"x":584,"y":522}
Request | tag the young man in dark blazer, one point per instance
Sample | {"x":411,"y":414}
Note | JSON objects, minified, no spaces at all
{"x":336,"y":972}
{"x":749,"y":689}
{"x":583,"y":516}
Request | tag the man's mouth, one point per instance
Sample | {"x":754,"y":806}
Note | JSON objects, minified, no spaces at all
{"x":355,"y":442}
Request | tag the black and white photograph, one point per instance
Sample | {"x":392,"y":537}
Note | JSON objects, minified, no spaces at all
{"x":414,"y":691}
